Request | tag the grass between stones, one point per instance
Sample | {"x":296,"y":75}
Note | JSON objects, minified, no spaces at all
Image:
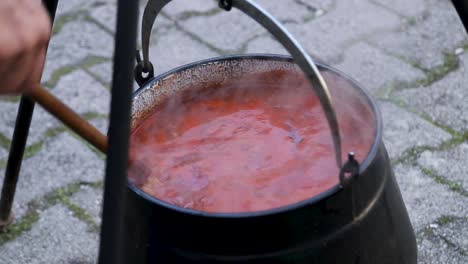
{"x":449,"y":64}
{"x":458,"y":137}
{"x":83,"y":64}
{"x":411,"y":155}
{"x":101,"y":26}
{"x":33,"y":149}
{"x":16,"y":229}
{"x":440,"y":222}
{"x":430,"y":232}
{"x":197,"y":38}
{"x":10,"y":98}
{"x":57,"y":74}
{"x":60,"y":195}
{"x":189,"y":14}
{"x":64,"y":19}
{"x":81,"y":214}
{"x":454,"y":186}
{"x":312,"y":11}
{"x":4,"y":142}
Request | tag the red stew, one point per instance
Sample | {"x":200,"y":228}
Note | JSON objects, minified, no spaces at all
{"x":238,"y":146}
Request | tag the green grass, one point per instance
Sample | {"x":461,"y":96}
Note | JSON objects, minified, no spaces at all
{"x":189,"y":14}
{"x":60,"y":22}
{"x":14,"y":230}
{"x":4,"y":142}
{"x":81,"y":214}
{"x":33,"y":149}
{"x":450,"y":64}
{"x":454,"y":186}
{"x":57,"y":74}
{"x":445,"y":219}
{"x":60,"y":195}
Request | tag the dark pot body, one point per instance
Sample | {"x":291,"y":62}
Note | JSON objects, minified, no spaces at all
{"x":364,"y":222}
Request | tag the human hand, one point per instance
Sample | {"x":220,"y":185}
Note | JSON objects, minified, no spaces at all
{"x":24,"y":33}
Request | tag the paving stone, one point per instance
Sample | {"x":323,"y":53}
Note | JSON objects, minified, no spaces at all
{"x":161,"y":27}
{"x":327,"y":36}
{"x":319,"y":4}
{"x":404,"y":130}
{"x":89,"y":199}
{"x":445,"y":100}
{"x":228,"y":31}
{"x":440,"y":31}
{"x":106,"y":15}
{"x":166,"y":56}
{"x":192,"y":7}
{"x":70,"y":6}
{"x":427,"y":200}
{"x":101,"y":123}
{"x":266,"y":44}
{"x":450,"y":164}
{"x":8,"y":112}
{"x":3,"y":154}
{"x":373,"y":69}
{"x":288,"y":11}
{"x":404,"y":7}
{"x":456,"y":232}
{"x":82,"y":93}
{"x":62,"y":160}
{"x":433,"y":250}
{"x":76,"y":41}
{"x":103,"y":72}
{"x":57,"y":237}
{"x":41,"y":122}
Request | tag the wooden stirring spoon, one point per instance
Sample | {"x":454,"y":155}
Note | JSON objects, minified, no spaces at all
{"x":83,"y":128}
{"x":61,"y":111}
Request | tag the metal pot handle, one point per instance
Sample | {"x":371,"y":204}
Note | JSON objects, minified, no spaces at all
{"x":257,"y":13}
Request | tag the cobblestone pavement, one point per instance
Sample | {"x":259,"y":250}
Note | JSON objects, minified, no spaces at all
{"x":411,"y":55}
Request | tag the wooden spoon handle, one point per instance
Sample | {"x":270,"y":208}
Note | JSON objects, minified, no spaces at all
{"x":75,"y":122}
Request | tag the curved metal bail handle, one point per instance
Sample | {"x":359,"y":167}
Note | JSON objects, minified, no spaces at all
{"x":302,"y":59}
{"x":152,"y":9}
{"x":299,"y":55}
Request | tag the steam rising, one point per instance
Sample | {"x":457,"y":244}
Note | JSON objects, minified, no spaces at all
{"x":251,"y":143}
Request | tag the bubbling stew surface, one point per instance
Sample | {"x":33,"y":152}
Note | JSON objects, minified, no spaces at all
{"x":251,"y":144}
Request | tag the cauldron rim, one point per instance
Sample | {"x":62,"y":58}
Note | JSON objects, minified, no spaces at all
{"x":310,"y":201}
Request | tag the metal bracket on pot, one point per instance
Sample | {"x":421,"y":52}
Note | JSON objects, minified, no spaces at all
{"x":141,"y":69}
{"x":349,"y":171}
{"x":300,"y":56}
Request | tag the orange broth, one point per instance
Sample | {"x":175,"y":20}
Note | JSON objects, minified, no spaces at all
{"x":244,"y":145}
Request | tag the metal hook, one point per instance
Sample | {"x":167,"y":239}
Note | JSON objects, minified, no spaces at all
{"x":225,"y":4}
{"x":349,"y":171}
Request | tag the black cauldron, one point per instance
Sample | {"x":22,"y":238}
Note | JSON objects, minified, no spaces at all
{"x":363,"y":221}
{"x":360,"y":220}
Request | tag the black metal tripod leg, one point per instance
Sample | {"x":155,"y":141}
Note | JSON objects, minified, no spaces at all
{"x":18,"y":144}
{"x":462,"y":9}
{"x":111,"y":248}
